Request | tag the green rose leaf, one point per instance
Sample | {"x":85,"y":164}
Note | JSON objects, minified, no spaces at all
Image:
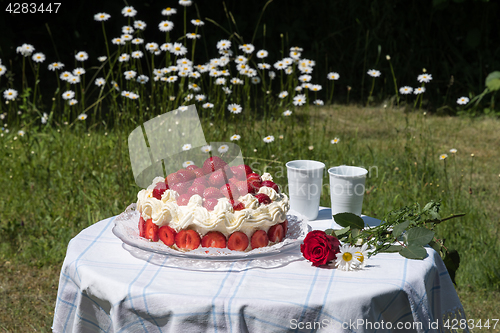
{"x":342,"y":231}
{"x":413,"y":252}
{"x":493,"y":81}
{"x":419,"y":236}
{"x":329,"y":232}
{"x":393,"y":248}
{"x":399,"y":228}
{"x":349,"y":220}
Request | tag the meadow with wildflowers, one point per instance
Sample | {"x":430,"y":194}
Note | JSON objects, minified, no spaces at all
{"x":65,"y":164}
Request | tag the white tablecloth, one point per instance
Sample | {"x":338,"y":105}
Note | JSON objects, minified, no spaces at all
{"x":103,"y":288}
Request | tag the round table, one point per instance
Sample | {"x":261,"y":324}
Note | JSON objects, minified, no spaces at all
{"x":104,"y":288}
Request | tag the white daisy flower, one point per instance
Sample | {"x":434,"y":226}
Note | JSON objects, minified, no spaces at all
{"x":130,"y":75}
{"x":21,"y":133}
{"x":10,"y":94}
{"x":100,"y":81}
{"x":83,"y":116}
{"x":220,"y":81}
{"x":226,"y":90}
{"x":223,"y":149}
{"x":272,"y":75}
{"x":127,"y":29}
{"x":143,"y":79}
{"x":3,"y":69}
{"x":262,"y":54}
{"x":223,"y":44}
{"x":183,"y":108}
{"x":45,"y":118}
{"x":78,"y":71}
{"x":197,"y":22}
{"x":333,"y":76}
{"x":305,"y":78}
{"x":419,"y":90}
{"x":263,"y":65}
{"x":101,"y":17}
{"x":295,"y":55}
{"x":118,"y":41}
{"x":318,"y":102}
{"x":299,"y":100}
{"x":463,"y":100}
{"x":65,"y":76}
{"x":405,"y":90}
{"x":127,"y":37}
{"x":280,"y":65}
{"x":255,"y":80}
{"x":234,"y":108}
{"x":81,"y":56}
{"x":235,"y":137}
{"x":124,"y":57}
{"x":38,"y":57}
{"x":151,"y":47}
{"x":192,"y":35}
{"x":72,"y":102}
{"x":188,"y":97}
{"x":178,"y":49}
{"x":315,"y":87}
{"x":55,"y":65}
{"x":168,"y":11}
{"x":443,"y":156}
{"x":200,"y":97}
{"x":346,"y":259}
{"x":208,"y":106}
{"x":335,"y":141}
{"x":26,"y":49}
{"x":206,"y":148}
{"x":137,"y":41}
{"x":361,"y":255}
{"x":268,"y":139}
{"x":129,"y":11}
{"x":166,"y":26}
{"x":185,"y":3}
{"x":102,"y":58}
{"x":137,"y":54}
{"x":287,"y":113}
{"x":74,"y":79}
{"x":424,"y":78}
{"x":187,"y":146}
{"x":283,"y":94}
{"x":68,"y":94}
{"x":172,"y":79}
{"x":247,"y":48}
{"x":453,"y":151}
{"x":140,"y":25}
{"x":187,"y":163}
{"x":374,"y":73}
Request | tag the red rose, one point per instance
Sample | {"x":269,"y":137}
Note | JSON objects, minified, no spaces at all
{"x":319,"y":248}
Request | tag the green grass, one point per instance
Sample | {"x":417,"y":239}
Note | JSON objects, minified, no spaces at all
{"x":59,"y":180}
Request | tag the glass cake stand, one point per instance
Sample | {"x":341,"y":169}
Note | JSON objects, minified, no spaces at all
{"x":210,"y":259}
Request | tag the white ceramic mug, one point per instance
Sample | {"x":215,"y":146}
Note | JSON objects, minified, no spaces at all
{"x":305,"y":181}
{"x":347,"y":188}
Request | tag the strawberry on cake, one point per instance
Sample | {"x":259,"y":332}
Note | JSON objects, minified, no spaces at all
{"x":213,"y":206}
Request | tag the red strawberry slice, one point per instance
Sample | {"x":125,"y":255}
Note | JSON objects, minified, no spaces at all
{"x":210,"y":204}
{"x":200,"y":181}
{"x":271,"y":184}
{"x":213,"y":163}
{"x":254,"y":176}
{"x":192,"y":167}
{"x":142,"y":227}
{"x":183,"y":199}
{"x":212,"y":193}
{"x":259,"y":239}
{"x":167,"y":235}
{"x":244,"y":188}
{"x":230,"y":191}
{"x":237,"y":205}
{"x":263,"y":198}
{"x":233,"y":180}
{"x":285,"y":226}
{"x":241,"y":171}
{"x":196,"y":189}
{"x":151,"y":230}
{"x":187,"y":240}
{"x":254,"y":185}
{"x":217,"y":179}
{"x":173,"y":178}
{"x":238,"y":241}
{"x":214,"y":239}
{"x":199,"y":172}
{"x":181,"y":188}
{"x":186,"y":175}
{"x":159,"y":189}
{"x":276,"y":233}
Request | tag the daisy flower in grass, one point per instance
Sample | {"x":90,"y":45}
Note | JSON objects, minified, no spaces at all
{"x":3,"y":70}
{"x":183,"y":108}
{"x":346,"y":259}
{"x":166,"y":26}
{"x":424,"y":78}
{"x":463,"y":100}
{"x":137,"y":54}
{"x":81,"y":56}
{"x":255,"y":80}
{"x":102,"y":58}
{"x":192,"y":35}
{"x":405,"y":90}
{"x":268,"y":139}
{"x":236,"y":80}
{"x":10,"y":94}
{"x":306,"y":70}
{"x":333,"y":76}
{"x":263,"y":65}
{"x":38,"y":57}
{"x":101,"y":17}
{"x":287,"y":113}
{"x":262,"y":54}
{"x":197,"y":22}
{"x":318,"y":102}
{"x":126,"y":93}
{"x":226,"y":90}
{"x":72,"y":102}
{"x":185,"y":3}
{"x":235,"y":137}
{"x":241,"y":59}
{"x":141,"y":25}
{"x":134,"y":96}
{"x":187,"y":163}
{"x":188,"y":97}
{"x":223,"y":44}
{"x":234,"y":108}
{"x":78,"y":71}
{"x":247,"y":48}
{"x":208,"y":106}
{"x":283,"y":94}
{"x":83,"y":116}
{"x":223,"y":149}
{"x":55,"y":65}
{"x":315,"y":87}
{"x":187,"y":146}
{"x":142,"y":79}
{"x":21,"y":133}
{"x":45,"y":118}
{"x":127,"y":29}
{"x":305,"y":78}
{"x":295,"y":55}
{"x":374,"y":73}
{"x":137,"y":41}
{"x":272,"y":75}
{"x":178,"y":49}
{"x":118,"y":41}
{"x":206,"y":149}
{"x":200,"y":97}
{"x":168,"y":11}
{"x":68,"y":94}
{"x":100,"y":81}
{"x":335,"y":141}
{"x":129,"y":11}
{"x":65,"y":76}
{"x":151,"y":47}
{"x":124,"y":57}
{"x":220,"y":81}
{"x":280,"y":65}
{"x":74,"y":79}
{"x":453,"y":151}
{"x":130,"y":75}
{"x":443,"y":156}
{"x":127,"y":37}
{"x":299,"y":100}
{"x":171,"y":79}
{"x":419,"y":90}
{"x":25,"y":49}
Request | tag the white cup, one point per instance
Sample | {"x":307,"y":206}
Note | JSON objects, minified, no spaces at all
{"x":347,"y":188}
{"x":305,"y":181}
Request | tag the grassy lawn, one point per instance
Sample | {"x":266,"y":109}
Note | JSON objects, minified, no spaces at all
{"x":61,"y":180}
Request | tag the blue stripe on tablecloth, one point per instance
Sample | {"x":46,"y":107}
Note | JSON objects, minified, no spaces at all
{"x":234,"y":294}
{"x":218,"y":292}
{"x":90,"y":322}
{"x":305,"y":306}
{"x":327,"y":292}
{"x":144,"y":292}
{"x":76,"y":266}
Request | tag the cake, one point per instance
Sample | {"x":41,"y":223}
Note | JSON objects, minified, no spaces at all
{"x":215,"y":205}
